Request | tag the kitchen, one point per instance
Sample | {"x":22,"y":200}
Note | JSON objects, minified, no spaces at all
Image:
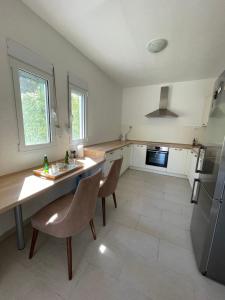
{"x":131,"y":80}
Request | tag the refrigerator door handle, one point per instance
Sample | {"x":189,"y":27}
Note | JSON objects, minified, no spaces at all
{"x":194,"y":199}
{"x":198,"y":159}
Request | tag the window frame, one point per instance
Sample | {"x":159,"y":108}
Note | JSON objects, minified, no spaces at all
{"x":17,"y":66}
{"x":84,"y":94}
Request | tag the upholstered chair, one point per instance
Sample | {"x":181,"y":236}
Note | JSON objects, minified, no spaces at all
{"x":108,"y":186}
{"x":68,"y":215}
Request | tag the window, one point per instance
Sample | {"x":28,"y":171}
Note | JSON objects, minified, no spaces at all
{"x":34,"y":100}
{"x":77,"y":107}
{"x":33,"y":93}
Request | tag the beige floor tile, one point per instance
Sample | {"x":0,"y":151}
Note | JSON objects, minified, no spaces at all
{"x":165,"y":204}
{"x":15,"y":279}
{"x":143,"y":253}
{"x":39,"y":290}
{"x":121,"y":242}
{"x":187,"y":210}
{"x":157,"y":281}
{"x":178,"y":197}
{"x":98,"y":285}
{"x":165,"y":231}
{"x":177,"y":258}
{"x":179,"y":220}
{"x":144,"y":207}
{"x":124,"y":216}
{"x":206,"y":289}
{"x":134,"y":242}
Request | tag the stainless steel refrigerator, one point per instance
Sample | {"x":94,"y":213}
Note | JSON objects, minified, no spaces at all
{"x":208,"y":196}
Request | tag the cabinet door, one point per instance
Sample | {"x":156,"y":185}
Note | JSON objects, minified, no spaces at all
{"x":117,"y":154}
{"x":126,"y":158}
{"x":128,"y":154}
{"x":139,"y":156}
{"x":177,"y":161}
{"x":113,"y":155}
{"x":123,"y":167}
{"x":110,"y":157}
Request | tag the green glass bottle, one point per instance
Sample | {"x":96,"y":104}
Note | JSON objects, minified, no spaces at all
{"x":45,"y":164}
{"x":66,"y":160}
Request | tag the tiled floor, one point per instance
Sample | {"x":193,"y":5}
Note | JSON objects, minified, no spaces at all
{"x":144,"y":252}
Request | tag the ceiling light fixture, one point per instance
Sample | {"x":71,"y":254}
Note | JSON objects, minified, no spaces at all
{"x":157,"y":45}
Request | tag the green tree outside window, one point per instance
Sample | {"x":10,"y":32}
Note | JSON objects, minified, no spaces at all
{"x":34,"y":99}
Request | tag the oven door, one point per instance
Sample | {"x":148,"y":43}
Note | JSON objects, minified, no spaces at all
{"x":157,"y":158}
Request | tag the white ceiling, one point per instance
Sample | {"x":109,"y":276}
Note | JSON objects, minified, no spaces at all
{"x":114,"y":34}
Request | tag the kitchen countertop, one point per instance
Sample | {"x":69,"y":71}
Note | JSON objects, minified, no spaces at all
{"x":113,"y":145}
{"x":17,"y":188}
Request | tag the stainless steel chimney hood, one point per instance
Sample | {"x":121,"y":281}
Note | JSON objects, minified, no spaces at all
{"x":163,"y":112}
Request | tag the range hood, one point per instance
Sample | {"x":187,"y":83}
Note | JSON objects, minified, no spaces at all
{"x":162,"y":112}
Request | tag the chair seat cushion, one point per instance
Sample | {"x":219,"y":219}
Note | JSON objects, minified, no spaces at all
{"x":45,"y":219}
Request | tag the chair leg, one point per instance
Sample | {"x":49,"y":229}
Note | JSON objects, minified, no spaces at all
{"x":92,"y":225}
{"x":114,"y":199}
{"x":69,"y":256}
{"x":33,"y":242}
{"x":103,"y":211}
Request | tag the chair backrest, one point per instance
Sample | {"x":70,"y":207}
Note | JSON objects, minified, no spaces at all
{"x":111,"y":181}
{"x":83,"y":205}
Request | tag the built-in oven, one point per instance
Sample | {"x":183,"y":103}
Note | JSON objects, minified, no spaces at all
{"x":157,"y":156}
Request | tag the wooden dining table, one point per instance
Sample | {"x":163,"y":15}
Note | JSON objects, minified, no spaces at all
{"x":21,"y":187}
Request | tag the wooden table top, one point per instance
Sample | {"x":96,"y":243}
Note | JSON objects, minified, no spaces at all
{"x":113,"y":145}
{"x":20,"y":187}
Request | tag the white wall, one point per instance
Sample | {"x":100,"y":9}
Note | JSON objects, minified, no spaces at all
{"x":18,"y":23}
{"x":187,"y":99}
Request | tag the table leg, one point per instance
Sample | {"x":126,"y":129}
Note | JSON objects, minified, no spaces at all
{"x":19,"y":227}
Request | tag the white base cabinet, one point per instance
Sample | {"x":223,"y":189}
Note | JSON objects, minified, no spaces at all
{"x":138,"y":156}
{"x":125,"y":153}
{"x":110,"y":157}
{"x":177,"y":161}
{"x":181,"y":162}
